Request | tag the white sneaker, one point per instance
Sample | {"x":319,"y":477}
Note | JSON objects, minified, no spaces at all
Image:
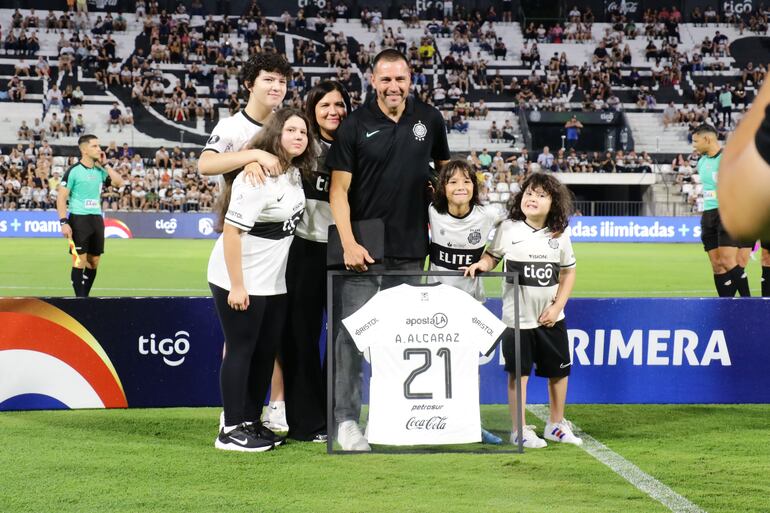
{"x":561,"y":432}
{"x":350,"y":437}
{"x":274,"y":417}
{"x":531,"y":440}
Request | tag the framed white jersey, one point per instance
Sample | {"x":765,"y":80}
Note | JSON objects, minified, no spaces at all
{"x":538,"y":257}
{"x":457,"y":242}
{"x":424,"y":344}
{"x":267,"y":214}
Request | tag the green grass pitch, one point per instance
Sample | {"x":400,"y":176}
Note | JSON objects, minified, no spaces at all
{"x":162,"y":460}
{"x":165,"y":267}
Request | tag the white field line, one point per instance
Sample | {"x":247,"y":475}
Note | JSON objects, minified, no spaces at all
{"x":96,"y":289}
{"x":588,"y":293}
{"x":627,"y":470}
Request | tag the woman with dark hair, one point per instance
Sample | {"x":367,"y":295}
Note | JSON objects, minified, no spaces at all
{"x":304,"y":384}
{"x":246,"y":274}
{"x":534,"y":243}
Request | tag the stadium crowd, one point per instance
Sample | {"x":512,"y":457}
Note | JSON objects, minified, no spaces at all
{"x":212,"y":51}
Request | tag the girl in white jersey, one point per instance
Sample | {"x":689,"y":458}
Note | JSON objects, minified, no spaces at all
{"x":533,"y":243}
{"x":460,"y":226}
{"x":327,"y":104}
{"x":246,"y":276}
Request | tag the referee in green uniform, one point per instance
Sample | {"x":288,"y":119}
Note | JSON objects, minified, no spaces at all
{"x":81,"y":188}
{"x":722,"y":249}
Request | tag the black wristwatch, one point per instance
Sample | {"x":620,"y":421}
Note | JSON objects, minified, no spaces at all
{"x":64,"y":221}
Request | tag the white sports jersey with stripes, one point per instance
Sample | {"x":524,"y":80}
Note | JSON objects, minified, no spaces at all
{"x":538,"y":256}
{"x":268,"y":215}
{"x":315,"y":222}
{"x":232,"y":134}
{"x":424,"y":343}
{"x":457,"y":242}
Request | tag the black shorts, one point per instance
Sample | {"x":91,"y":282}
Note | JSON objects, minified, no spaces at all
{"x":87,"y":233}
{"x":713,"y":234}
{"x":765,"y":244}
{"x":545,"y":348}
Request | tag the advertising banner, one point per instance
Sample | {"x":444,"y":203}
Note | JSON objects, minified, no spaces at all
{"x":145,"y":225}
{"x":123,"y":225}
{"x":158,"y":352}
{"x":634,"y":229}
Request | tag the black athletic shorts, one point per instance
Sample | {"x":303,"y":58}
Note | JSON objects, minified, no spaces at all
{"x":545,"y":348}
{"x":765,"y":244}
{"x":713,"y":234}
{"x":87,"y":233}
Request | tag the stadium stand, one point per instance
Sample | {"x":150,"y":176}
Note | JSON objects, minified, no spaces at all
{"x":152,"y":81}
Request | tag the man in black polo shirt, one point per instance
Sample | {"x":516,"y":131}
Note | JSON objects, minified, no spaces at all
{"x":380,"y":162}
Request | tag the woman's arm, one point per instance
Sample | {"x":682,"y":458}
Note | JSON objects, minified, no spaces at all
{"x":238,"y":299}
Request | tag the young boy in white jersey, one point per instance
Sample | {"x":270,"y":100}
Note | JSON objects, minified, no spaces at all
{"x":533,"y":243}
{"x":246,"y":274}
{"x":460,"y":227}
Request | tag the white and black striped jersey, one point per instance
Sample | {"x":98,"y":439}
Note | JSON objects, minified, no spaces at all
{"x":538,"y":256}
{"x":232,"y":134}
{"x":315,"y":222}
{"x":459,"y":242}
{"x":268,"y":215}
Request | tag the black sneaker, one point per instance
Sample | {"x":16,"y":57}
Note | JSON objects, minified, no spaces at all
{"x":319,"y":438}
{"x":243,"y":440}
{"x":258,"y":430}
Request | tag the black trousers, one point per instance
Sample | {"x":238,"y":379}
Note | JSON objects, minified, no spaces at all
{"x":252,"y":338}
{"x":304,"y":375}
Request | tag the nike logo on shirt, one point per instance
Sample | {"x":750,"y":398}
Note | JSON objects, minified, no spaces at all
{"x":369,"y":134}
{"x":281,"y":197}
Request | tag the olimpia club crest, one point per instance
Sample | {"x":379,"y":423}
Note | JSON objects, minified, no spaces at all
{"x":420,"y":131}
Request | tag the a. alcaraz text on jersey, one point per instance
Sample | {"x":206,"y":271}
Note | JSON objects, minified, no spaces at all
{"x":315,"y":222}
{"x":457,"y":242}
{"x":268,"y":215}
{"x":538,"y":257}
{"x":424,"y":343}
{"x":232,"y":134}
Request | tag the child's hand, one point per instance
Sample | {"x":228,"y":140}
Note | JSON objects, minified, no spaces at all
{"x":473,"y":269}
{"x":238,"y":298}
{"x":549,"y":316}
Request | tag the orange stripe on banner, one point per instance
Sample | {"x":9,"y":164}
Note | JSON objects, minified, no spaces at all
{"x":24,"y":331}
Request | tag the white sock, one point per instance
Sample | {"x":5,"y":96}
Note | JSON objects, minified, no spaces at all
{"x":227,"y":429}
{"x":276,"y":404}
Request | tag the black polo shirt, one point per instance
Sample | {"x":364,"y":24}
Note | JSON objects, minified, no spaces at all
{"x":390,"y":166}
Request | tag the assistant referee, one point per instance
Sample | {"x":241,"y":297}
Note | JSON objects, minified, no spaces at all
{"x":80,"y":192}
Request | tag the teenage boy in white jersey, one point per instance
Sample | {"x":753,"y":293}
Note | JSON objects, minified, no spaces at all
{"x":264,"y":78}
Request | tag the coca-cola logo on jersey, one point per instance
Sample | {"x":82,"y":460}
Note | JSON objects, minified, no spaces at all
{"x":429,"y":424}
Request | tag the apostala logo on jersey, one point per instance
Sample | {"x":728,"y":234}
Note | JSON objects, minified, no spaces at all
{"x":474,"y":237}
{"x":438,"y":320}
{"x":420,"y":131}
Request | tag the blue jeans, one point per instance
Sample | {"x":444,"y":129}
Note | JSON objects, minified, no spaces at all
{"x":351,"y":294}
